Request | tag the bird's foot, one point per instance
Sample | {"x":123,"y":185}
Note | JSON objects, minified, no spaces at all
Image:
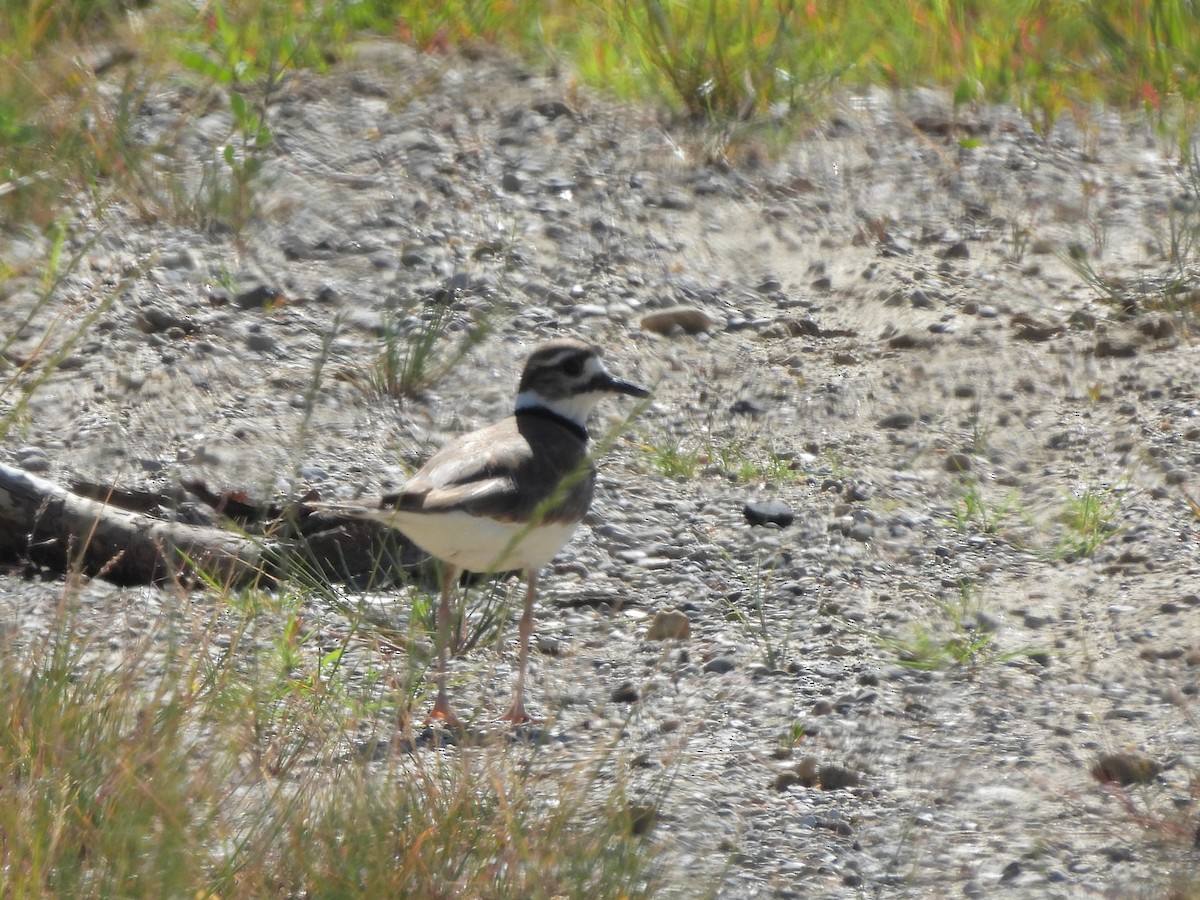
{"x":518,"y":715}
{"x":443,"y":715}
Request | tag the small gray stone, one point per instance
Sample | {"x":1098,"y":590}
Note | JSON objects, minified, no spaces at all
{"x":260,"y":342}
{"x":957,"y":462}
{"x":180,"y":258}
{"x":897,"y":420}
{"x":862,"y":532}
{"x":1125,"y":769}
{"x":858,"y":492}
{"x":556,"y":184}
{"x":1010,"y":872}
{"x":920,"y":300}
{"x":721,"y":665}
{"x":156,"y":320}
{"x":1118,"y":854}
{"x":625,"y":693}
{"x":772,"y":512}
{"x":33,"y":459}
{"x":688,"y":319}
{"x":257,"y":296}
{"x":671,"y":200}
{"x":1115,"y":348}
{"x":669,"y":625}
{"x":909,"y":341}
{"x":833,"y":777}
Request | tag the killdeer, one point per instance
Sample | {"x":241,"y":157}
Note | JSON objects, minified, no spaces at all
{"x":508,"y":496}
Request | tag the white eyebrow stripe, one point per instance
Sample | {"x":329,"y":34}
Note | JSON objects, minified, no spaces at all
{"x":559,"y":357}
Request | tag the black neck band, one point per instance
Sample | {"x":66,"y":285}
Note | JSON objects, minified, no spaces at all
{"x":572,"y":426}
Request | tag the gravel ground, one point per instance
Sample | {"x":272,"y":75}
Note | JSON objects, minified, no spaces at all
{"x":878,"y":329}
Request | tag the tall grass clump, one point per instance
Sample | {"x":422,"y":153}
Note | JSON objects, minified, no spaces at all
{"x":726,"y":59}
{"x":78,"y":71}
{"x":419,"y":346}
{"x":239,"y":52}
{"x":1155,"y":47}
{"x":44,"y":101}
{"x":729,"y":59}
{"x":222,"y":752}
{"x":453,"y":826}
{"x":102,"y":795}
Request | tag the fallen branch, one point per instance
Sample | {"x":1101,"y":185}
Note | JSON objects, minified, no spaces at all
{"x":53,"y":527}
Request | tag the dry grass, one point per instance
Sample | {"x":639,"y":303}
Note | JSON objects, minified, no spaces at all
{"x":81,"y":68}
{"x":222,"y":753}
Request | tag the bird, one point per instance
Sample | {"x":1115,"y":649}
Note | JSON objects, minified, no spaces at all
{"x":508,"y":496}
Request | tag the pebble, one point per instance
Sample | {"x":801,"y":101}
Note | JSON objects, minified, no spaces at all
{"x":768,"y":512}
{"x":1010,"y":872}
{"x":897,"y":420}
{"x":1125,"y":768}
{"x":862,"y":532}
{"x":557,"y":184}
{"x":834,"y":778}
{"x":857,"y":492}
{"x":155,"y":320}
{"x":413,"y":256}
{"x":261,"y":342}
{"x":256,"y":296}
{"x":957,"y":462}
{"x":669,"y":625}
{"x":920,"y":300}
{"x":1115,"y":348}
{"x":33,"y":459}
{"x":675,"y":200}
{"x":625,"y":693}
{"x":684,"y":319}
{"x":909,"y":341}
{"x":1119,"y":854}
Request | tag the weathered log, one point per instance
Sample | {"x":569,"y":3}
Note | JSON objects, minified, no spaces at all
{"x":51,"y":526}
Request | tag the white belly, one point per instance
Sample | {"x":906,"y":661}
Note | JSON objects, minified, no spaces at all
{"x":482,"y":545}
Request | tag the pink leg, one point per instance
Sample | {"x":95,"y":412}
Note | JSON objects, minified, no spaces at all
{"x":441,"y":706}
{"x":516,"y":712}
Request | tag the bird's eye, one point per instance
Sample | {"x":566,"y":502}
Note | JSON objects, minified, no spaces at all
{"x":573,"y":366}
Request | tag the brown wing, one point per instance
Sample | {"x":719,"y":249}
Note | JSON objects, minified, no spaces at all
{"x":507,"y":471}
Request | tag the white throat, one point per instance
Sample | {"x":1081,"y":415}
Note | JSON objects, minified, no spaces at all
{"x":575,"y":408}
